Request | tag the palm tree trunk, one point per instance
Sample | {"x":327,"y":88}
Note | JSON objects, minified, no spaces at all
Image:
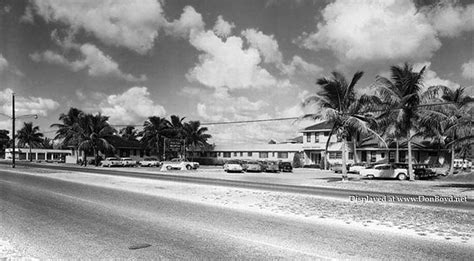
{"x":397,"y":153}
{"x":410,"y":164}
{"x":354,"y":144}
{"x":344,"y":169}
{"x":31,"y":158}
{"x":451,"y":170}
{"x":96,"y":157}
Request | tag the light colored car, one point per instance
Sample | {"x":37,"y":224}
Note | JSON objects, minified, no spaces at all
{"x":357,"y":167}
{"x":111,"y":162}
{"x":385,"y":171}
{"x":253,"y":166}
{"x":233,"y":166}
{"x":180,"y":164}
{"x":149,"y":162}
{"x":128,"y":162}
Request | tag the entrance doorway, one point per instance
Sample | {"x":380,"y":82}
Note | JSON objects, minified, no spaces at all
{"x":315,"y":157}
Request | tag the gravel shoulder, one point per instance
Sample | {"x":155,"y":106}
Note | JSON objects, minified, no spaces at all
{"x":454,"y":226}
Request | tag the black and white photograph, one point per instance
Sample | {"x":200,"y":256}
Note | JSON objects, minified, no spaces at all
{"x":236,"y":130}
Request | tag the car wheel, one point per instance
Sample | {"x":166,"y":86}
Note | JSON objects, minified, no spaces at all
{"x":188,"y":167}
{"x":168,"y":167}
{"x":402,"y":176}
{"x":370,"y":176}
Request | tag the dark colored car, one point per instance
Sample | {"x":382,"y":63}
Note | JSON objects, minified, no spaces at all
{"x":272,"y":166}
{"x":285,"y":167}
{"x":422,"y":171}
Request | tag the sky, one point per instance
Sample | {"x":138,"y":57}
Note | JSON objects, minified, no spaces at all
{"x":217,"y":60}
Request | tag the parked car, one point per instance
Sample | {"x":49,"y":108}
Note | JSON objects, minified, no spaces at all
{"x":253,"y":166}
{"x":111,"y":162}
{"x":149,"y":162}
{"x":180,"y":164}
{"x":422,"y":171}
{"x":285,"y":167}
{"x":272,"y":166}
{"x":385,"y":171}
{"x":128,"y":162}
{"x":263,"y":164}
{"x":233,"y":166}
{"x":357,"y":167}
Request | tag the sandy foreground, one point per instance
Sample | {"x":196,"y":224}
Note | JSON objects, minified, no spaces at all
{"x":451,"y":225}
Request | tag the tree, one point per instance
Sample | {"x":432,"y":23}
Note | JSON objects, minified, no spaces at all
{"x":66,"y":130}
{"x":129,"y":133}
{"x":29,"y":135}
{"x":403,"y":108}
{"x":153,"y":133}
{"x":455,"y":127}
{"x":4,"y":139}
{"x":47,"y":143}
{"x":93,"y":133}
{"x":341,"y":106}
{"x":195,"y":135}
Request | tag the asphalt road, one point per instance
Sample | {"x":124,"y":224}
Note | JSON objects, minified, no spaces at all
{"x":273,"y":185}
{"x":52,"y":219}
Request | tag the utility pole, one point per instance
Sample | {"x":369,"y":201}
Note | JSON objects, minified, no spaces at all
{"x":13,"y":130}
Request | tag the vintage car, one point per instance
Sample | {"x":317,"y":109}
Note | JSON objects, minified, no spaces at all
{"x":128,"y":162}
{"x":253,"y":166}
{"x":385,"y":171}
{"x":357,"y":167}
{"x":233,"y":166}
{"x":272,"y":166}
{"x":285,"y":167}
{"x":111,"y":162}
{"x":180,"y":164}
{"x":421,"y":170}
{"x":149,"y":162}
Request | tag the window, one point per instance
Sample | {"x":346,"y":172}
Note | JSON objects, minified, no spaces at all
{"x":41,"y":156}
{"x":273,"y":154}
{"x":282,"y":155}
{"x":316,"y":137}
{"x":235,"y":154}
{"x":249,"y":154}
{"x":373,"y":156}
{"x":326,"y":133}
{"x":335,"y":155}
{"x":241,"y":154}
{"x":308,"y":137}
{"x":351,"y":155}
{"x":213,"y":154}
{"x":226,"y":154}
{"x":382,"y":155}
{"x":263,"y":155}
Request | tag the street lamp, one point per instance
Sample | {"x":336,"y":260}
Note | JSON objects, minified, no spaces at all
{"x":13,"y":118}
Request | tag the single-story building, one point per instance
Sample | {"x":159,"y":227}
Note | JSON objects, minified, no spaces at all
{"x":53,"y":155}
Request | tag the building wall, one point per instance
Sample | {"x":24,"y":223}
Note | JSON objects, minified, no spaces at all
{"x":38,"y":154}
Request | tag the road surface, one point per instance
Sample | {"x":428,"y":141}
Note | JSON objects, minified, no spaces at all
{"x":58,"y":219}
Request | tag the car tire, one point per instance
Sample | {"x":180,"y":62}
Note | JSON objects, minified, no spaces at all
{"x":402,"y":176}
{"x":188,"y":167}
{"x":168,"y":167}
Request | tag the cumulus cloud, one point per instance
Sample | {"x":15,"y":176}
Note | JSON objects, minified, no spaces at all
{"x":266,"y":44}
{"x":451,"y":20}
{"x":189,"y":22}
{"x":131,"y":24}
{"x":3,"y":63}
{"x":131,"y":107}
{"x":297,"y":64}
{"x":373,"y":30}
{"x":26,"y":105}
{"x":468,"y":69}
{"x":226,"y":63}
{"x":223,"y":28}
{"x":94,"y":61}
{"x":431,"y":78}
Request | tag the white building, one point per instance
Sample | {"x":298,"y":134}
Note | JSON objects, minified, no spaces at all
{"x":38,"y":154}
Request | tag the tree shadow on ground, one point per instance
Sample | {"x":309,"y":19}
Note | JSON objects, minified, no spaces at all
{"x":467,"y":186}
{"x":335,"y":179}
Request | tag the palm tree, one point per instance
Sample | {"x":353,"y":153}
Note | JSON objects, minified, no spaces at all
{"x":341,"y":106}
{"x":29,"y":135}
{"x":47,"y":143}
{"x":93,"y":133}
{"x":176,"y":127}
{"x":153,"y":132}
{"x":65,"y":130}
{"x":195,"y":134}
{"x":404,"y":105}
{"x":129,"y":133}
{"x":456,"y":127}
{"x":4,"y":139}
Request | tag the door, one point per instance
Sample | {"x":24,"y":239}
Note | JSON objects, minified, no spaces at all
{"x":364,"y":156}
{"x":315,"y":158}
